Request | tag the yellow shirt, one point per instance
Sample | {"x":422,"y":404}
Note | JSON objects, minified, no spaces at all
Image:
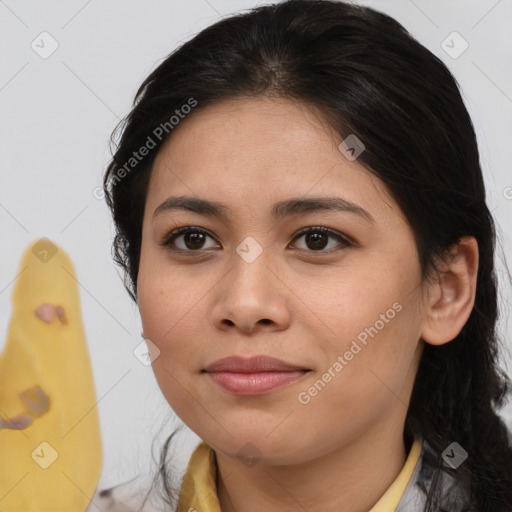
{"x":199,"y":492}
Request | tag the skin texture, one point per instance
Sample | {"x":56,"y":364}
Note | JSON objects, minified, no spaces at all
{"x":297,"y":301}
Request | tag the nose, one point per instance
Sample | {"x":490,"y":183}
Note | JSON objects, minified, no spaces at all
{"x":252,"y":297}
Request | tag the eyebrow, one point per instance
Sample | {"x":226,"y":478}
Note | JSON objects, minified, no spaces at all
{"x":280,"y":210}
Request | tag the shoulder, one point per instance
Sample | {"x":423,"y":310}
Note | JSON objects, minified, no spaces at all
{"x":128,"y":496}
{"x":429,"y":471}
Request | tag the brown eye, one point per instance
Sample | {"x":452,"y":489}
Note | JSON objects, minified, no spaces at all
{"x":192,"y":239}
{"x":317,"y":238}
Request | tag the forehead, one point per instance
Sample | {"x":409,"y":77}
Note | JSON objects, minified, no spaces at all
{"x":250,"y":150}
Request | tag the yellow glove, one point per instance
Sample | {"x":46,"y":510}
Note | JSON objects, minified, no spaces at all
{"x":50,"y":443}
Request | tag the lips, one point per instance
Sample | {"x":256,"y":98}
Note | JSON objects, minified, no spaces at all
{"x":253,"y":376}
{"x":254,"y":364}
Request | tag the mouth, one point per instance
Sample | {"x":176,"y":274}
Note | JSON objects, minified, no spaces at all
{"x":250,"y":384}
{"x":253,"y":376}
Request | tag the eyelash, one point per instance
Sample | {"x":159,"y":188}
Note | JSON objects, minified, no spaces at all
{"x":171,"y":236}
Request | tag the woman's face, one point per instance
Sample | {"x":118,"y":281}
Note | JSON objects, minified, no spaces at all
{"x":346,"y":309}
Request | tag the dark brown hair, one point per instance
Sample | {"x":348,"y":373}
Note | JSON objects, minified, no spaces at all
{"x":370,"y":78}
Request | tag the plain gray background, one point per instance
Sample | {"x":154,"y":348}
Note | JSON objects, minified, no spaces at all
{"x":57,"y":114}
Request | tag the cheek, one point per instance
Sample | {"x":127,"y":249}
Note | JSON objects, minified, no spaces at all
{"x":368,"y":382}
{"x":173,"y":319}
{"x":164,"y":300}
{"x":375,"y":328}
{"x":165,"y":322}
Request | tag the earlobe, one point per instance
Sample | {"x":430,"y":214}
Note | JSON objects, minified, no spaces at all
{"x":452,"y":296}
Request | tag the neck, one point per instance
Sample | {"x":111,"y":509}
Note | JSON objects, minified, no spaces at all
{"x":351,"y":478}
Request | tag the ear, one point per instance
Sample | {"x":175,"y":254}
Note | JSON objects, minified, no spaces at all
{"x":451,"y":298}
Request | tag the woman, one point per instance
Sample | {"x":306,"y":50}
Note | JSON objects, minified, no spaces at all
{"x":301,"y":216}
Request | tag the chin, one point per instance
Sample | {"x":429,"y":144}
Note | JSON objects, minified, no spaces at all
{"x":252,"y":448}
